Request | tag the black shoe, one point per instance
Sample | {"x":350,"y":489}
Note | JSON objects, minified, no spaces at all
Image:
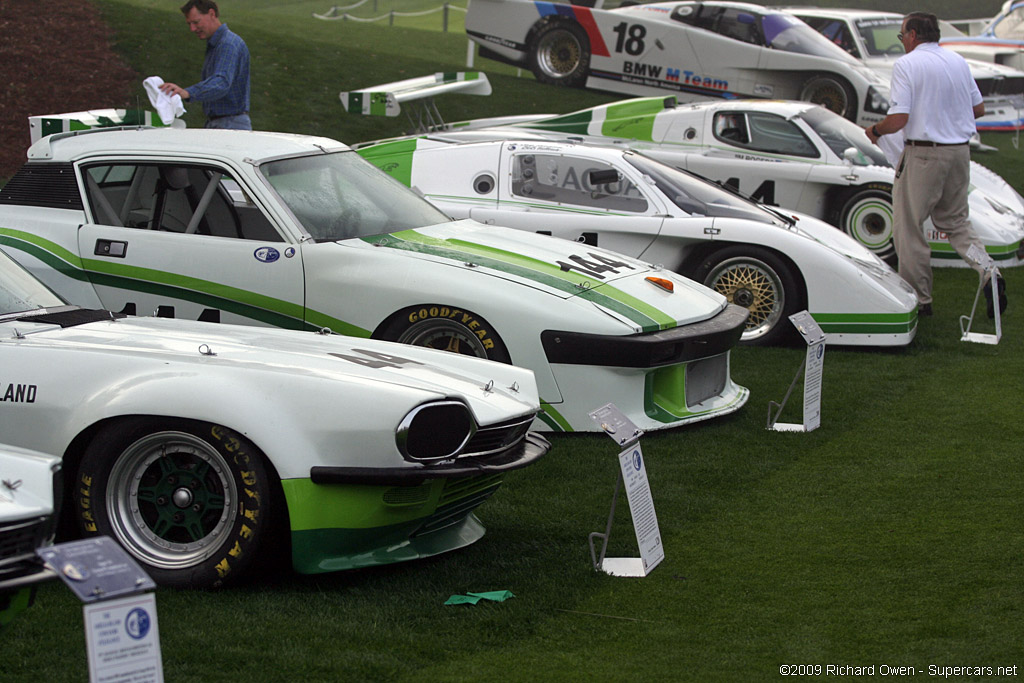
{"x":924,"y":310}
{"x":1001,"y":288}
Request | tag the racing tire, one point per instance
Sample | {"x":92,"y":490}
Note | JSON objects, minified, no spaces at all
{"x":833,"y":93}
{"x":446,"y":328}
{"x":560,"y":54}
{"x":188,"y":500}
{"x":865,"y":214}
{"x":759,"y":281}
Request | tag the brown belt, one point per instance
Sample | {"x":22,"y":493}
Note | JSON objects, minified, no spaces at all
{"x":929,"y":143}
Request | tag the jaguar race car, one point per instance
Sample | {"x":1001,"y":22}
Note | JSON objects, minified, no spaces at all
{"x":201,"y":447}
{"x":697,"y":50}
{"x":1001,"y":42}
{"x":790,"y":154}
{"x":300,"y":232}
{"x":770,"y":262}
{"x":870,"y":36}
{"x":29,"y":497}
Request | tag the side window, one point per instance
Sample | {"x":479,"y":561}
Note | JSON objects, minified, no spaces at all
{"x":174,"y":198}
{"x":763,"y":132}
{"x":742,"y":26}
{"x":574,"y":181}
{"x":836,"y":31}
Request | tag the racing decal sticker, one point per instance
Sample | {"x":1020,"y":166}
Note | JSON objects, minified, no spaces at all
{"x":585,"y":18}
{"x":376,"y":359}
{"x":562,"y":277}
{"x":266,"y":254}
{"x":18,"y":393}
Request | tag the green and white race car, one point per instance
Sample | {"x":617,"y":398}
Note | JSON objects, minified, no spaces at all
{"x":300,"y":232}
{"x":205,"y":448}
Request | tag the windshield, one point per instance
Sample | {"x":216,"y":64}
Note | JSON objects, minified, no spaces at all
{"x":879,"y":35}
{"x":1011,"y":26}
{"x":840,"y":134}
{"x":694,"y":195}
{"x":786,"y":32}
{"x":20,"y":292}
{"x":340,"y":196}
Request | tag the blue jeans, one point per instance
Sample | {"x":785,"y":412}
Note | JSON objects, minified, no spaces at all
{"x":237,"y":122}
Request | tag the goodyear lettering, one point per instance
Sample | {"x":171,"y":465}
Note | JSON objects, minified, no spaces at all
{"x":236,"y":551}
{"x":251,"y":515}
{"x":223,"y":568}
{"x":245,"y":531}
{"x":249,"y":478}
{"x":18,"y":393}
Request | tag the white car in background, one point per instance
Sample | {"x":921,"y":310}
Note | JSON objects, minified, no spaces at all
{"x":789,"y":154}
{"x":770,"y":262}
{"x":299,"y":232}
{"x":870,"y":36}
{"x":695,"y":50}
{"x":30,"y":488}
{"x":1000,"y":42}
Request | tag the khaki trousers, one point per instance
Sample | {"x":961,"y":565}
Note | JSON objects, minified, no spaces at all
{"x":931,"y":181}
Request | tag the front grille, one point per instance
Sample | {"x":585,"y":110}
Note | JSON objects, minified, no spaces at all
{"x":459,"y":498}
{"x":706,"y":378}
{"x":50,"y":185}
{"x":497,"y":437}
{"x":18,"y":543}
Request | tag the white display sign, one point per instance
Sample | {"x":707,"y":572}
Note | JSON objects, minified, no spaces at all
{"x":645,"y":520}
{"x":814,"y":363}
{"x":123,"y":640}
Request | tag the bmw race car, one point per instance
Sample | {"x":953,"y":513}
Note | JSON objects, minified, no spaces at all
{"x":870,"y":36}
{"x":30,"y":483}
{"x":772,"y":263}
{"x":696,"y":50}
{"x":790,"y":154}
{"x":201,"y":448}
{"x":300,"y":232}
{"x":1000,"y":42}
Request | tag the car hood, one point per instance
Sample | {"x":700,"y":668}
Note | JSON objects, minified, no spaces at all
{"x":214,"y":347}
{"x":621,"y":286}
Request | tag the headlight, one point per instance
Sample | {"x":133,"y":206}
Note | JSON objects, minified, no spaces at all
{"x":877,"y":101}
{"x":435,"y":431}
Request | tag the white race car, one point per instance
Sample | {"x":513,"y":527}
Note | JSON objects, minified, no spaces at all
{"x":1001,"y":42}
{"x":30,"y":484}
{"x":697,"y":50}
{"x":300,"y":232}
{"x":772,"y":263}
{"x":870,"y":36}
{"x":201,"y":447}
{"x":790,"y":154}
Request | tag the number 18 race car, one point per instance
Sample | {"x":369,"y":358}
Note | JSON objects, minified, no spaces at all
{"x":300,"y":232}
{"x":201,"y":447}
{"x":695,"y":50}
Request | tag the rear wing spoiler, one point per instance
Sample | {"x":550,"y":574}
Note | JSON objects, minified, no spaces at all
{"x":386,"y":99}
{"x":48,"y":124}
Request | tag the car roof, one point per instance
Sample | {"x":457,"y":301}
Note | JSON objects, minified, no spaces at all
{"x":842,"y":13}
{"x":234,"y":145}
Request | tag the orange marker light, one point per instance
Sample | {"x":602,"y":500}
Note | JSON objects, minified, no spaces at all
{"x":667,"y":285}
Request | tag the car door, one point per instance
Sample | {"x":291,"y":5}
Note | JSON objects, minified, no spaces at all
{"x":760,"y":154}
{"x":575,"y":197}
{"x":184,"y":240}
{"x":727,"y":43}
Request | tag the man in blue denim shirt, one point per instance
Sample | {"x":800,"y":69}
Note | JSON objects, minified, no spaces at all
{"x":224,"y":88}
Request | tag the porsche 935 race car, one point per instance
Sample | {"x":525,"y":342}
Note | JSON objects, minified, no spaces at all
{"x":871,"y":37}
{"x":300,"y":232}
{"x":201,"y":447}
{"x":790,"y":154}
{"x":1000,"y":42}
{"x":30,"y":483}
{"x":772,"y":263}
{"x":697,"y":50}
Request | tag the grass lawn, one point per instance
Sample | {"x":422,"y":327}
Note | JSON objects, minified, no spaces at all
{"x":891,"y":536}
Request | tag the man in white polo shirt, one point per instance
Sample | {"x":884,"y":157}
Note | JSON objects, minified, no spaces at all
{"x":934,"y":102}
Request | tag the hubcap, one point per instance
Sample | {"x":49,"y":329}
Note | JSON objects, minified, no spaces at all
{"x":754,"y":285}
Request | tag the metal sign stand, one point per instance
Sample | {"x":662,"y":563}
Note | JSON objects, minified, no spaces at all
{"x":811,"y":369}
{"x":633,"y":474}
{"x":966,"y":320}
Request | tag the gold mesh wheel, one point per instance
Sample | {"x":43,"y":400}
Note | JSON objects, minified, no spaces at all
{"x":754,"y":285}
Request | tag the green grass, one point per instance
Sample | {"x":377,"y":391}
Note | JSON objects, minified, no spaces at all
{"x":892,"y":535}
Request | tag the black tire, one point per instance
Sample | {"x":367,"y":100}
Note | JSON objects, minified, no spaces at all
{"x":446,"y":328}
{"x":560,"y":54}
{"x":832,"y":92}
{"x":188,"y":500}
{"x":865,"y":214}
{"x":761,"y":282}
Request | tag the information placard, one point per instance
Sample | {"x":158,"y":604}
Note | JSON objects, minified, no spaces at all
{"x":96,"y":568}
{"x":641,"y":506}
{"x":812,"y":371}
{"x":123,"y":640}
